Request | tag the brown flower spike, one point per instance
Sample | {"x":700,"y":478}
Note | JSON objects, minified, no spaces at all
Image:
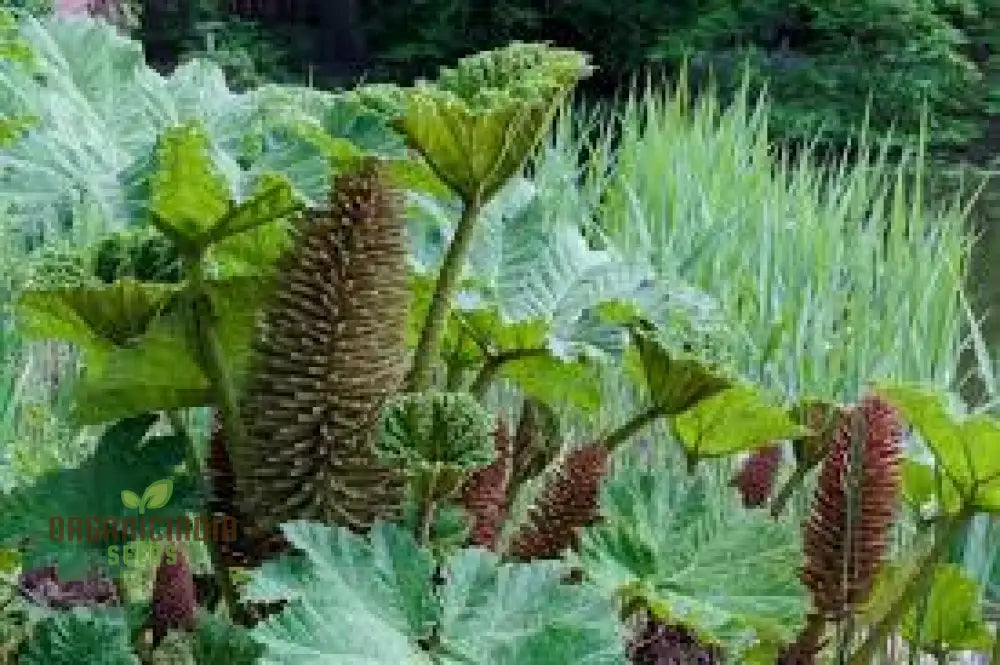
{"x":174,"y":601}
{"x":568,"y":502}
{"x":485,"y":493}
{"x":840,"y":579}
{"x":329,"y":353}
{"x":755,"y":479}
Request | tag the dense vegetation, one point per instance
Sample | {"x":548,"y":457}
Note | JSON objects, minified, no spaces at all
{"x":480,"y":373}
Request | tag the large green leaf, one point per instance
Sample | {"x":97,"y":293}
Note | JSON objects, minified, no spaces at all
{"x":216,"y":641}
{"x":95,"y":317}
{"x":967,"y":448}
{"x":555,"y":381}
{"x":677,"y":379}
{"x":123,"y":460}
{"x":952,"y":618}
{"x":273,"y":200}
{"x":355,"y":600}
{"x":99,"y":110}
{"x":369,"y":601}
{"x":478,"y":123}
{"x":921,"y":490}
{"x":729,"y":574}
{"x":158,"y":373}
{"x":187,"y":194}
{"x":515,"y":614}
{"x":81,"y":636}
{"x":151,"y":362}
{"x":236,"y":303}
{"x":737,"y":419}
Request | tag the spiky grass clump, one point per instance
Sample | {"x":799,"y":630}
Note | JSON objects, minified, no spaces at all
{"x":484,"y":495}
{"x":755,"y":479}
{"x":838,"y":578}
{"x":329,"y":353}
{"x":568,"y":503}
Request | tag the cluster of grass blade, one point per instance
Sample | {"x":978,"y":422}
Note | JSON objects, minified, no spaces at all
{"x":833,"y":274}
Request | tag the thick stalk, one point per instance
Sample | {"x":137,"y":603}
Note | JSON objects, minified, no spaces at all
{"x":878,"y":634}
{"x":219,"y":568}
{"x":617,"y":437}
{"x":432,"y":331}
{"x":488,"y":372}
{"x":427,"y":510}
{"x":213,"y":363}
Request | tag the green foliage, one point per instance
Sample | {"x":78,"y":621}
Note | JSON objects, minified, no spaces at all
{"x":963,"y":446}
{"x":16,"y":52}
{"x":190,"y":202}
{"x":97,"y":317}
{"x":478,"y":123}
{"x":219,"y":642}
{"x":186,"y":196}
{"x":158,"y":371}
{"x":806,"y":52}
{"x":370,"y":600}
{"x":80,"y":636}
{"x":737,"y":419}
{"x":951,"y":619}
{"x":934,"y":53}
{"x":815,"y":304}
{"x":698,"y":559}
{"x":429,"y":429}
{"x":439,"y":438}
{"x":677,"y":380}
{"x":97,"y":130}
{"x":143,"y":254}
{"x":94,"y":489}
{"x":924,"y":493}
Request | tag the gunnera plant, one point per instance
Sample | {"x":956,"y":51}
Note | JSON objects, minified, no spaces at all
{"x":329,"y":352}
{"x":859,"y":475}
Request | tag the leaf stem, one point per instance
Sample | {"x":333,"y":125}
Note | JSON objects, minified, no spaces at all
{"x":428,"y":508}
{"x":615,"y":438}
{"x":213,"y":363}
{"x":911,"y":591}
{"x":432,"y":331}
{"x":488,"y":372}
